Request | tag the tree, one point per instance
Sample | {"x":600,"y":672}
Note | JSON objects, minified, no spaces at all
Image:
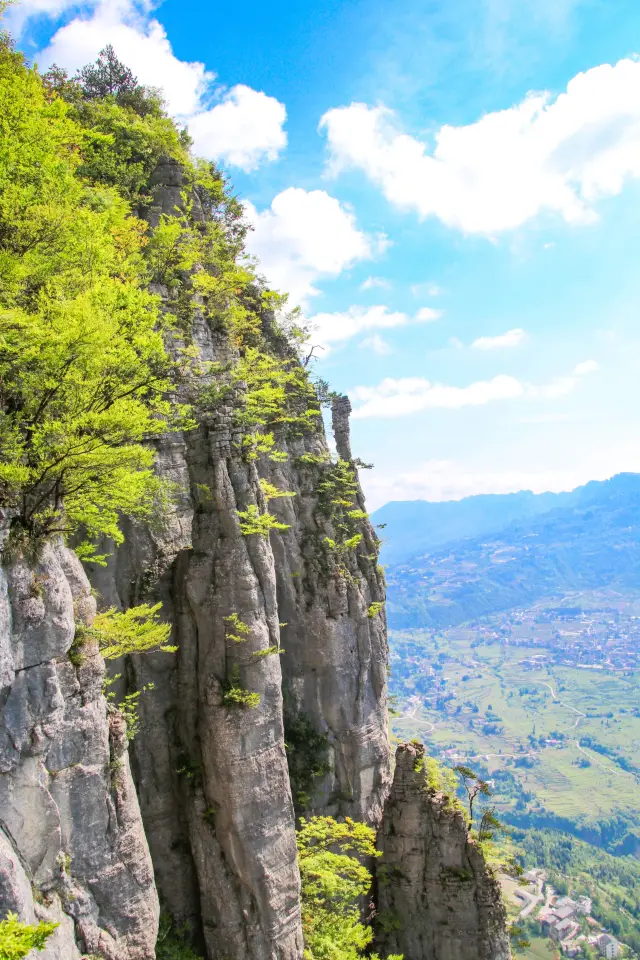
{"x":473,"y":786}
{"x":333,"y":882}
{"x":107,"y":77}
{"x":85,"y":378}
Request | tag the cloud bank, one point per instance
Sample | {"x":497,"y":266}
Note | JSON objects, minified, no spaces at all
{"x":555,"y":155}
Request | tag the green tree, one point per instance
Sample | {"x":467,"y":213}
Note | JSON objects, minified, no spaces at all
{"x":106,"y":77}
{"x":84,"y":375}
{"x":474,"y":786}
{"x":333,"y":882}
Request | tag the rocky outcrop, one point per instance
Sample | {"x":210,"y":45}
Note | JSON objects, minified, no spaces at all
{"x":437,"y":898}
{"x":72,"y":846}
{"x":213,"y":777}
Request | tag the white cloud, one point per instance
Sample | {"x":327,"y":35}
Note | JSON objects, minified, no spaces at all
{"x":587,"y":366}
{"x":305,"y":235}
{"x":330,"y":328}
{"x":428,"y":315}
{"x":512,"y":338}
{"x":395,"y":398}
{"x":544,"y":154}
{"x":244,"y":129}
{"x":371,"y":282}
{"x":562,"y":386}
{"x":377,"y":344}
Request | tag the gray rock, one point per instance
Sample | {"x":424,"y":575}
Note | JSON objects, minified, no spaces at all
{"x":70,"y":828}
{"x":437,"y":895}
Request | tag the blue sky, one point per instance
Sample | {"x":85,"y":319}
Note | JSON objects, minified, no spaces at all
{"x":450,"y":190}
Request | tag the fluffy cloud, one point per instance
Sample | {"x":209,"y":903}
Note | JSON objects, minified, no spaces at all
{"x":587,"y":366}
{"x":243,"y":129}
{"x":544,"y":154}
{"x":562,"y":386}
{"x":305,"y":235}
{"x":330,"y":328}
{"x":426,"y":289}
{"x":428,"y":315}
{"x":512,"y":338}
{"x":396,"y":398}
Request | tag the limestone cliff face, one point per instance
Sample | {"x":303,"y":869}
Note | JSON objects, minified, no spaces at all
{"x":437,"y":899}
{"x":278,"y":682}
{"x":72,"y":846}
{"x":213,"y":778}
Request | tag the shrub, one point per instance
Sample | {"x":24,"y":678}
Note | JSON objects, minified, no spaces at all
{"x":17,"y":939}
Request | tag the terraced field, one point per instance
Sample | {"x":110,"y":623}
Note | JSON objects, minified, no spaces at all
{"x":526,"y":727}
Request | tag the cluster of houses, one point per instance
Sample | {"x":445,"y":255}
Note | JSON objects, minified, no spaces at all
{"x":560,"y":920}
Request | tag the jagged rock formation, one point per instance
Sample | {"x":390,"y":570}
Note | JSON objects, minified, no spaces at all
{"x":72,"y":846}
{"x":437,"y":899}
{"x":294,"y":621}
{"x":213,"y":780}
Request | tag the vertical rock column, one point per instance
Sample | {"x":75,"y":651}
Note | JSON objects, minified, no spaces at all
{"x":240,"y":810}
{"x":437,"y":898}
{"x":335,"y":638}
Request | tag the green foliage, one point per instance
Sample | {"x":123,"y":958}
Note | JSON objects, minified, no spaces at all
{"x":137,"y":630}
{"x":333,"y":881}
{"x":241,"y":630}
{"x":84,"y":375}
{"x":576,"y":867}
{"x":235,"y":695}
{"x":17,"y":939}
{"x":174,"y":943}
{"x":254,"y":522}
{"x":307,"y":758}
{"x":473,"y":785}
{"x":437,"y":776}
{"x":271,"y":492}
{"x":129,"y":709}
{"x":375,"y":608}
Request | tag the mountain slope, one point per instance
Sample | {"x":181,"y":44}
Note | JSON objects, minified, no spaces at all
{"x":591,"y":541}
{"x":413,"y":527}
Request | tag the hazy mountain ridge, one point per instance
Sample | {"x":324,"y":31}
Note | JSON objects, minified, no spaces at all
{"x":591,"y":539}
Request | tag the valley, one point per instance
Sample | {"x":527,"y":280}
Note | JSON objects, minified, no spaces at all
{"x":542,"y":702}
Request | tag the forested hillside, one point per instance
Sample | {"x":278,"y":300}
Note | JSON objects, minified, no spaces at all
{"x":592,"y":541}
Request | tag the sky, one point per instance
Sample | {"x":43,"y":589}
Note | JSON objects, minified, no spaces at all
{"x":449,"y":189}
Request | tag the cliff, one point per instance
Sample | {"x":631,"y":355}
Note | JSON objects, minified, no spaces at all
{"x":155,"y":405}
{"x":213,"y":780}
{"x":72,"y":847}
{"x":437,"y":898}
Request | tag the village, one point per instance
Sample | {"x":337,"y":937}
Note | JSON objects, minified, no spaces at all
{"x":567,"y":922}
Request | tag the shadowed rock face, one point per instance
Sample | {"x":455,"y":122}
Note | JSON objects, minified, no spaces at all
{"x":72,"y":846}
{"x":435,"y":888}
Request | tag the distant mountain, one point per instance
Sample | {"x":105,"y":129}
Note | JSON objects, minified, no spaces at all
{"x":419,"y":526}
{"x":590,"y":540}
